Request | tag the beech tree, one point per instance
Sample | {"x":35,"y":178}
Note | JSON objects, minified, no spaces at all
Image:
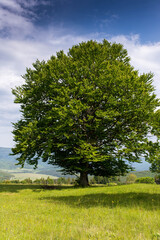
{"x":87,"y":111}
{"x":155,"y":162}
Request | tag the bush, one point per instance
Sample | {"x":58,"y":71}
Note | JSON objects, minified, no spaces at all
{"x":6,"y":181}
{"x":104,"y":180}
{"x":131,"y":178}
{"x":145,"y":180}
{"x":37,"y":181}
{"x":15,"y":181}
{"x":26,"y":181}
{"x":49,"y":181}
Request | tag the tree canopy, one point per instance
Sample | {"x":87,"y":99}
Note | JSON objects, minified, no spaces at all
{"x":155,"y":162}
{"x":87,"y":111}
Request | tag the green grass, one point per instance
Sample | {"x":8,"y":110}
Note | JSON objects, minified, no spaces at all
{"x":120,"y":212}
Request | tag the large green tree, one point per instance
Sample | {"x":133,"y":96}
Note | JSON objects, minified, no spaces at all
{"x":87,"y":111}
{"x":155,"y":162}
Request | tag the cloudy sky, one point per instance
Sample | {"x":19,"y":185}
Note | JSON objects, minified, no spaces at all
{"x":36,"y":29}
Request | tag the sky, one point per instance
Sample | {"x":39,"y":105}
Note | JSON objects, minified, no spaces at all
{"x":37,"y":29}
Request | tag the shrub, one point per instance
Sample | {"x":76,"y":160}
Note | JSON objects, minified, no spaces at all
{"x":37,"y":181}
{"x":131,"y":178}
{"x":145,"y":180}
{"x":104,"y":180}
{"x":26,"y":181}
{"x":61,"y":180}
{"x":6,"y":181}
{"x":15,"y":181}
{"x":49,"y":181}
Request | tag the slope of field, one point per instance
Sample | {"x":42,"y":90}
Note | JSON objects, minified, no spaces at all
{"x":120,"y":212}
{"x":21,"y":174}
{"x":32,"y":176}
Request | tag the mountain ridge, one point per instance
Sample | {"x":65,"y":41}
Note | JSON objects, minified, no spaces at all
{"x":8,"y":162}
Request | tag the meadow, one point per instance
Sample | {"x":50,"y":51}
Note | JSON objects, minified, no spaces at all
{"x":126,"y":212}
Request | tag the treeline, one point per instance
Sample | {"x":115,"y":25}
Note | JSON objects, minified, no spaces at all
{"x":131,"y":178}
{"x":63,"y":180}
{"x":104,"y":180}
{"x":42,"y":181}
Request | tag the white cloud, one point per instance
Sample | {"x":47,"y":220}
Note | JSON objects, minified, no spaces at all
{"x":144,"y":57}
{"x":33,"y":3}
{"x":15,"y":21}
{"x":20,"y":6}
{"x":11,"y":4}
{"x":17,"y":16}
{"x":13,"y":24}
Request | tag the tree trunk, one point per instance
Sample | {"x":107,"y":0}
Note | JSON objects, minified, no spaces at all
{"x":84,"y":179}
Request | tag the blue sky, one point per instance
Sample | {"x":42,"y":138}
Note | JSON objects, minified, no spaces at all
{"x":36,"y":29}
{"x":112,"y":17}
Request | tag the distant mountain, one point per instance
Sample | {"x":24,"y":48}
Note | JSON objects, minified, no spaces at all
{"x":144,"y":166}
{"x":8,"y":162}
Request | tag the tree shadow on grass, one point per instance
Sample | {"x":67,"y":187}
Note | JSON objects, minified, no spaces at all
{"x":129,"y":200}
{"x":145,"y":201}
{"x":15,"y":188}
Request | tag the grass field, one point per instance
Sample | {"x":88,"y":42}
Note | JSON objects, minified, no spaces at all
{"x":119,"y":212}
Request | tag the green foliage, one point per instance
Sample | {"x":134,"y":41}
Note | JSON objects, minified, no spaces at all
{"x":61,"y":180}
{"x":145,"y":180}
{"x":87,"y":111}
{"x":131,"y":178}
{"x":155,"y":162}
{"x":103,"y":180}
{"x":15,"y":181}
{"x":27,"y":181}
{"x":42,"y":181}
{"x":157,"y":179}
